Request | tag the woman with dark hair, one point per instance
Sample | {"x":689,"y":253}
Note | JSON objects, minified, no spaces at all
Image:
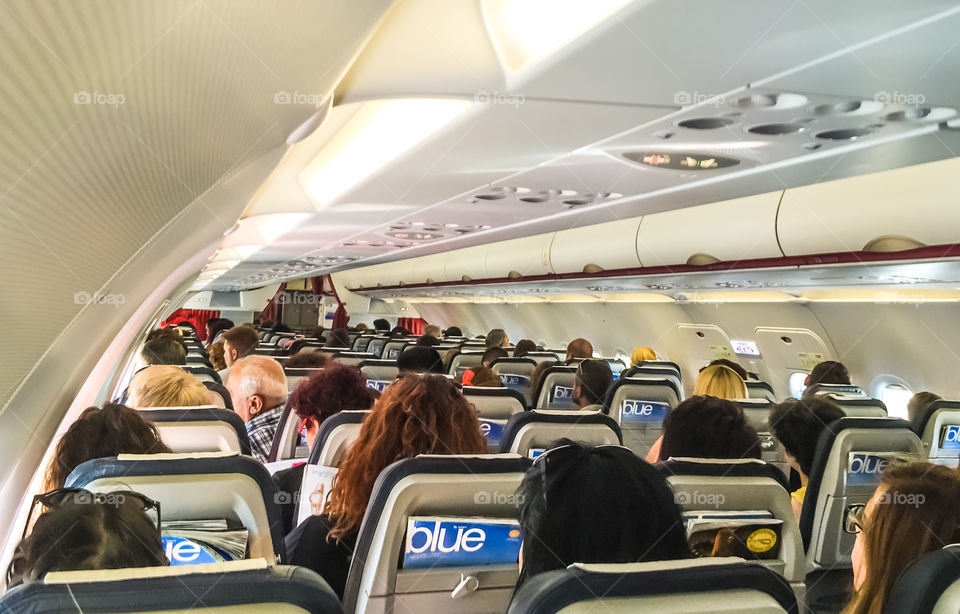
{"x":828,"y":372}
{"x":575,"y":493}
{"x":83,"y":531}
{"x":912,"y":512}
{"x":708,"y":427}
{"x":524,"y":347}
{"x":99,"y":433}
{"x":417,"y":414}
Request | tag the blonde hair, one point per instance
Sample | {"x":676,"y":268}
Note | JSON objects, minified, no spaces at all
{"x":640,"y":354}
{"x":720,"y":381}
{"x":166,"y":386}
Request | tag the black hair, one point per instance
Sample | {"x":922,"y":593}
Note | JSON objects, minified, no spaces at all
{"x":317,"y":332}
{"x":829,"y":372}
{"x":726,"y":362}
{"x":575,"y":494}
{"x":708,"y":427}
{"x":593,"y":377}
{"x":420,"y":359}
{"x":381,"y":324}
{"x":524,"y":347}
{"x":493,"y":354}
{"x":427,"y":340}
{"x":798,"y":424}
{"x":399,"y":331}
{"x":164,"y":351}
{"x":453,"y":331}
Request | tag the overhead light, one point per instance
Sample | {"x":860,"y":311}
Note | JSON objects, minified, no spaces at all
{"x":638,"y":298}
{"x":238,"y":252}
{"x":523,"y":299}
{"x":526,"y":31}
{"x":883,"y":296}
{"x":275,"y":225}
{"x":572,"y":298}
{"x":746,"y":296}
{"x":380,"y":131}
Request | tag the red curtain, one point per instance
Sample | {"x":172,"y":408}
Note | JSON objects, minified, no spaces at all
{"x":340,"y":316}
{"x":197,"y":317}
{"x":414,"y":325}
{"x":274,"y":309}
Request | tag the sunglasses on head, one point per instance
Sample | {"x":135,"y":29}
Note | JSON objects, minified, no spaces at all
{"x":80,"y":496}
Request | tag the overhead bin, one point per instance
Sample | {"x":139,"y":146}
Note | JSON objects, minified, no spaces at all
{"x":888,"y":211}
{"x":465,"y":264}
{"x":519,"y":257}
{"x":738,"y":229}
{"x":611,"y":245}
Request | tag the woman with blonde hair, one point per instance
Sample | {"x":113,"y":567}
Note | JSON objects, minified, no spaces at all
{"x":166,"y":386}
{"x":642,"y":354}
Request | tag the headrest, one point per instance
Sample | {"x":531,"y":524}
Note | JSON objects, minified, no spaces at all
{"x":337,"y":420}
{"x":539,"y":416}
{"x":642,"y":378}
{"x":920,"y":420}
{"x":130,"y":573}
{"x":719,"y":468}
{"x":175,"y":456}
{"x":180,"y":408}
{"x":453,"y":464}
{"x":167,"y":416}
{"x":921,"y":584}
{"x":834,"y":388}
{"x":493,"y":391}
{"x":622,"y":568}
{"x":514,"y":361}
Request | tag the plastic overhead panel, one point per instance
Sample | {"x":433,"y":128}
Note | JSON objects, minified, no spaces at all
{"x":611,"y":245}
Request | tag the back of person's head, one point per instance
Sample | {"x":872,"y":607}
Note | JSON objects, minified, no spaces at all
{"x":330,"y":391}
{"x":399,"y":331}
{"x":708,"y":427}
{"x":453,"y":331}
{"x":164,"y":351}
{"x":829,"y":372}
{"x":280,"y":327}
{"x":720,"y":381}
{"x":256,"y":384}
{"x":318,"y":332}
{"x":415,"y":415}
{"x":726,"y":362}
{"x":99,"y":433}
{"x":83,"y":534}
{"x":574,"y":494}
{"x":166,"y":386}
{"x":912,"y":512}
{"x":485,"y":377}
{"x":338,"y":338}
{"x":524,"y":347}
{"x":307,"y":359}
{"x":419,"y":359}
{"x":381,"y":324}
{"x":221,"y":326}
{"x":361,"y":327}
{"x":641,"y":354}
{"x":592,"y":380}
{"x":427,"y":340}
{"x":496,"y":338}
{"x":161,"y":333}
{"x":918,"y":404}
{"x":238,"y":342}
{"x":538,"y":371}
{"x":215,"y":354}
{"x":798,"y":424}
{"x":433,"y":330}
{"x":579,"y":348}
{"x":492,"y":354}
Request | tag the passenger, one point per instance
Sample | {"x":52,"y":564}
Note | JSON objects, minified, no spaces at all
{"x":433,"y":331}
{"x":538,"y":371}
{"x":362,"y":328}
{"x":524,"y":347}
{"x":237,"y":343}
{"x":167,"y":386}
{"x":912,"y":512}
{"x":575,"y":493}
{"x":453,"y":331}
{"x":708,"y":427}
{"x":221,"y":326}
{"x":164,"y":351}
{"x":729,"y":363}
{"x":427,"y":340}
{"x":797,"y":426}
{"x":642,"y":354}
{"x":315,"y":399}
{"x":258,"y":389}
{"x":318,"y":333}
{"x":489,"y":357}
{"x":419,"y":359}
{"x":381,"y":325}
{"x":80,"y":533}
{"x":918,"y":404}
{"x":591,"y":382}
{"x":215,"y":354}
{"x":415,"y":415}
{"x":578,"y":349}
{"x":338,"y":338}
{"x":497,"y":338}
{"x":484,"y":377}
{"x":307,"y":359}
{"x":162,"y":333}
{"x":100,"y":433}
{"x":400,"y":331}
{"x":828,"y":372}
{"x":720,"y":381}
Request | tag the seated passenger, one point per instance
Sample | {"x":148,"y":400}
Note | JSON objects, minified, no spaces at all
{"x":237,"y":343}
{"x":433,"y":331}
{"x":216,"y":328}
{"x":427,"y":340}
{"x":453,"y":331}
{"x":101,"y":433}
{"x":579,"y":348}
{"x":918,"y":404}
{"x":419,"y":359}
{"x":258,"y":389}
{"x":307,"y":359}
{"x":338,"y":338}
{"x":828,"y":372}
{"x":575,"y":494}
{"x":797,"y":426}
{"x":415,"y":415}
{"x":362,"y":328}
{"x":164,"y":351}
{"x":381,"y":325}
{"x":708,"y":427}
{"x":726,"y":362}
{"x":166,"y":386}
{"x":538,"y":372}
{"x":484,"y":377}
{"x":497,"y":338}
{"x":399,"y":331}
{"x":720,"y":381}
{"x":591,"y":382}
{"x":524,"y":347}
{"x":912,"y":512}
{"x":642,"y":354}
{"x":491,"y":355}
{"x":78,"y":532}
{"x":215,"y":354}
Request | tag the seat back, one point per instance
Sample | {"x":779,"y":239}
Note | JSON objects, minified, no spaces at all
{"x":850,"y":456}
{"x":495,"y":403}
{"x":352,"y":359}
{"x":639,"y":405}
{"x":379,"y":373}
{"x":930,"y":585}
{"x":747,"y":485}
{"x":295,"y":375}
{"x":234,"y":587}
{"x":202,"y":373}
{"x":846,"y":389}
{"x":757,"y":411}
{"x":393,"y":348}
{"x":199,"y":429}
{"x":690,"y":586}
{"x":555,"y":388}
{"x":858,"y":406}
{"x":617,"y":366}
{"x":530,"y":432}
{"x":463,"y":361}
{"x":461,"y":487}
{"x":539,"y":357}
{"x":939,"y":430}
{"x":221,"y":396}
{"x":376,"y":344}
{"x":287,"y":441}
{"x":515,"y":373}
{"x":335,"y":436}
{"x":760,"y":390}
{"x":361,"y":343}
{"x":198,"y":486}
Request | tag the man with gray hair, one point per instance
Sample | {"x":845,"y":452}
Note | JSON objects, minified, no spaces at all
{"x":258,"y":389}
{"x":497,"y":338}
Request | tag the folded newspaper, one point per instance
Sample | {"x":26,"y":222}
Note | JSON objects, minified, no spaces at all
{"x":749,"y":534}
{"x":192,"y":542}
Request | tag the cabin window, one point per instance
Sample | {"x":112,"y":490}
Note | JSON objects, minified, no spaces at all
{"x":797,"y":383}
{"x":896,"y":397}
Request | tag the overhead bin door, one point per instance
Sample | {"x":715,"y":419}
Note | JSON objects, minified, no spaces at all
{"x":612,"y":245}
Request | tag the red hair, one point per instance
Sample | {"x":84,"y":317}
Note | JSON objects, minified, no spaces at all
{"x":329,"y":392}
{"x":417,"y":414}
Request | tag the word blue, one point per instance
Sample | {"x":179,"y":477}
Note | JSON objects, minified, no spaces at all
{"x":648,"y":412}
{"x":435,"y":542}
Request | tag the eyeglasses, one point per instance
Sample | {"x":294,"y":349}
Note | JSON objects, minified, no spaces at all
{"x":81,"y":496}
{"x":853,"y":522}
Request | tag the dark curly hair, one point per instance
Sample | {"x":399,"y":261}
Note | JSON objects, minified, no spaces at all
{"x":331,"y":391}
{"x":708,"y":427}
